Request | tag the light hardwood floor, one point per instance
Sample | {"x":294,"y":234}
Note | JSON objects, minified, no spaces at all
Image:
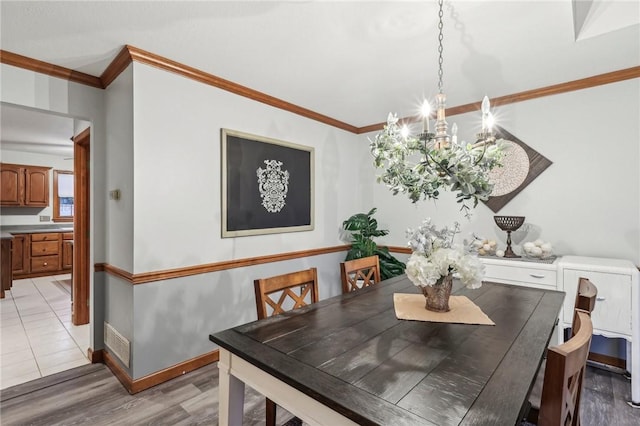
{"x":91,"y":395}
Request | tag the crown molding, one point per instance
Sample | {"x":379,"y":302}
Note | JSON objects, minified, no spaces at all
{"x":556,"y":89}
{"x":41,"y":67}
{"x":116,"y":67}
{"x":129,"y":54}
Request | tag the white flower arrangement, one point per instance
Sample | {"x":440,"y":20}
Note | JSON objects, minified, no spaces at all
{"x":434,"y":257}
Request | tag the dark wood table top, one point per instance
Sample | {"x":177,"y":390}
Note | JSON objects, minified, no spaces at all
{"x":352,"y":354}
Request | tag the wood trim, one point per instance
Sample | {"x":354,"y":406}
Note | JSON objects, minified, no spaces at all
{"x":56,"y":200}
{"x":396,"y":249}
{"x":116,"y":67}
{"x":83,"y":137}
{"x":112,"y":270}
{"x":42,"y":67}
{"x":153,"y":379}
{"x":81,"y":228}
{"x":609,"y":360}
{"x":167,"y":274}
{"x":96,"y":357}
{"x":165,"y":64}
{"x":118,"y":371}
{"x":556,"y":89}
{"x":130,"y":53}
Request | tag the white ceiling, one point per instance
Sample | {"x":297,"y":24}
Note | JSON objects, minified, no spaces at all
{"x":35,"y":131}
{"x":350,"y":60}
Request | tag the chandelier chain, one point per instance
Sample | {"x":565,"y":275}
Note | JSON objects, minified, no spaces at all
{"x":440,"y":37}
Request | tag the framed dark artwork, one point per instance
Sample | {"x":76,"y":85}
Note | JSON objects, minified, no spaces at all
{"x":267,"y":185}
{"x":521,"y":166}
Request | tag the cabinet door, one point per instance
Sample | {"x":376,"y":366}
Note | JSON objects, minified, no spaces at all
{"x":12,"y":179}
{"x":20,"y":254}
{"x":67,"y":254}
{"x":613,"y":306}
{"x":36,"y":187}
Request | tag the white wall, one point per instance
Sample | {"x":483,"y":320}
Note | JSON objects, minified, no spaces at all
{"x":31,"y":215}
{"x":586,"y":203}
{"x":119,"y":171}
{"x":177,"y":172}
{"x":177,"y":212}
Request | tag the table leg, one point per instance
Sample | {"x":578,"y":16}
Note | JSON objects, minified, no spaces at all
{"x":231,"y":397}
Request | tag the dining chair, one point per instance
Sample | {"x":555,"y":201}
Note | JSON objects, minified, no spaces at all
{"x":585,"y":301}
{"x":359,"y":273}
{"x":283,"y":293}
{"x":564,"y":376}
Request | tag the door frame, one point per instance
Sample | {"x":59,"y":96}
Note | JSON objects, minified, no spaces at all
{"x":81,"y":228}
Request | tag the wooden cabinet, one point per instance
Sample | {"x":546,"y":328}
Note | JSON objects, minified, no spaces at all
{"x":24,"y":185}
{"x":45,"y":252}
{"x":5,"y":264}
{"x":617,"y":310}
{"x":38,"y":254}
{"x":20,"y":254}
{"x":521,"y":272}
{"x":12,"y":188}
{"x":67,"y":250}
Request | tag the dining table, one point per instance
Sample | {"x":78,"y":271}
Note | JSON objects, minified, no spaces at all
{"x":349,"y":360}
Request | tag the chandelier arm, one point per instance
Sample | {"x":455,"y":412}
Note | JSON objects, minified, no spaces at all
{"x":484,"y":149}
{"x":437,"y":165}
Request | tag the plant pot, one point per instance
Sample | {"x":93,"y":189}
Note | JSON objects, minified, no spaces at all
{"x":437,"y":295}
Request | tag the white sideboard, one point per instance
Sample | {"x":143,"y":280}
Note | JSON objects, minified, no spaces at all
{"x":617,"y":310}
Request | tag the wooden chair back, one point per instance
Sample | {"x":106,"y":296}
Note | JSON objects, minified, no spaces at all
{"x":585,"y":302}
{"x":359,"y":273}
{"x":564,"y":375}
{"x":292,"y":291}
{"x":585,"y":299}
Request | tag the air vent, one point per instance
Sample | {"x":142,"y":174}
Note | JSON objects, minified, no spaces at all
{"x":117,"y":343}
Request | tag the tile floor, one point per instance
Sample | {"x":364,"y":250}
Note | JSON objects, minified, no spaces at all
{"x":36,"y":333}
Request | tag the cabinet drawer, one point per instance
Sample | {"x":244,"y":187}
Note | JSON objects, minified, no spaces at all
{"x":44,"y":248}
{"x":45,"y":236}
{"x":612,"y":312}
{"x":67,"y":236}
{"x":523,"y":275}
{"x":45,"y":263}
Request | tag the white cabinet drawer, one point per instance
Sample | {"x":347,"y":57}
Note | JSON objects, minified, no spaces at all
{"x":519,"y":273}
{"x":612,"y":312}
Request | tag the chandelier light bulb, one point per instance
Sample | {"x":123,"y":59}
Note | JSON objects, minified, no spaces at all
{"x":454,"y":134}
{"x":404,"y":131}
{"x":426,"y":111}
{"x":486,"y":106}
{"x":490,"y":122}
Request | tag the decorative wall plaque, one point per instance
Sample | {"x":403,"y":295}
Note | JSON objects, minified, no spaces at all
{"x":521,"y":165}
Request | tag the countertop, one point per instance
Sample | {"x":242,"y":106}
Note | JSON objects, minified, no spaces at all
{"x":8,"y":230}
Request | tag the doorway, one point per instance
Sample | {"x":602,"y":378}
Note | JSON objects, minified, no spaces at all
{"x":42,"y":333}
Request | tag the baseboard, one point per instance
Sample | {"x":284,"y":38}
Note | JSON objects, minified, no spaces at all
{"x":609,"y":360}
{"x":153,"y":379}
{"x":96,"y":357}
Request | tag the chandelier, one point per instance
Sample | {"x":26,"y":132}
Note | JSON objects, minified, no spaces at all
{"x":422,"y":165}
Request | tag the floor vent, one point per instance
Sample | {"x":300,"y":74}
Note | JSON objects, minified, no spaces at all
{"x":117,"y":343}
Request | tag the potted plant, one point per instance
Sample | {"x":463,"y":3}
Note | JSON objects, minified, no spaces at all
{"x":363,"y":228}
